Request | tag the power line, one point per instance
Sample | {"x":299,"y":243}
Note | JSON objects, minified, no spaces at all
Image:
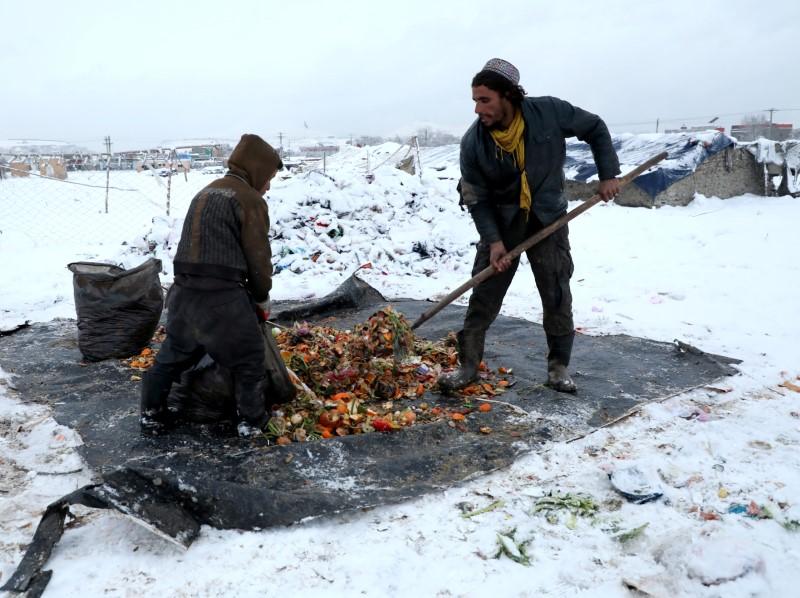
{"x":681,"y":118}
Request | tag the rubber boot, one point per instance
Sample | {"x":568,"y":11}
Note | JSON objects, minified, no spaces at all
{"x":560,"y":350}
{"x":250,"y":406}
{"x":470,"y":353}
{"x":155,"y":418}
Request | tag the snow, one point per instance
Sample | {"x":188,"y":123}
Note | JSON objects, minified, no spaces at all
{"x":720,"y":275}
{"x":686,"y":151}
{"x":780,"y":153}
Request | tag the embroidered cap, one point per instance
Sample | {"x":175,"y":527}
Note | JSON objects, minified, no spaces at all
{"x":504,"y":68}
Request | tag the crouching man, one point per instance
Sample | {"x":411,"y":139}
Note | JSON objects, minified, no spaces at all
{"x":223,"y":276}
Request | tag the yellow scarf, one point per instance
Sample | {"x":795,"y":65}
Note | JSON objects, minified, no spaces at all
{"x":512,"y":142}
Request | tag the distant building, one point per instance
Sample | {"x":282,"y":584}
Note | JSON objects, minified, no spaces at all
{"x":709,"y":163}
{"x":752,"y":131}
{"x":204,"y":152}
{"x":319,"y":150}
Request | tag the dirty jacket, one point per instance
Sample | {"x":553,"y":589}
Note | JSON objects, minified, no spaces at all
{"x":225,"y":233}
{"x":490,"y":179}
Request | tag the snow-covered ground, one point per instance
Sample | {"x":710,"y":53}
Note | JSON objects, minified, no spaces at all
{"x":720,"y":275}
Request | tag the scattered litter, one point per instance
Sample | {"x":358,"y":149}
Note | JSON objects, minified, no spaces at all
{"x":655,"y":586}
{"x":719,"y":389}
{"x":635,"y":485}
{"x":577,"y":505}
{"x":791,"y":525}
{"x":495,"y":505}
{"x":629,"y":535}
{"x":760,"y":444}
{"x":709,"y":515}
{"x":700,"y":414}
{"x":671,"y":477}
{"x":752,"y":510}
{"x":790,"y":386}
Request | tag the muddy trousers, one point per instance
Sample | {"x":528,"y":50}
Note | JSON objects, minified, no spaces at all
{"x":552,"y":267}
{"x":222,"y":323}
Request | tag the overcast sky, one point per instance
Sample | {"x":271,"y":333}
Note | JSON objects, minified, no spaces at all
{"x":144,"y":72}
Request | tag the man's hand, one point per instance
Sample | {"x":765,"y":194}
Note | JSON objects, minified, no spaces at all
{"x":608,"y":189}
{"x":263,"y":310}
{"x":498,"y":256}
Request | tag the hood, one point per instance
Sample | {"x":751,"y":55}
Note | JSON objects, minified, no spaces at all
{"x":254,"y":159}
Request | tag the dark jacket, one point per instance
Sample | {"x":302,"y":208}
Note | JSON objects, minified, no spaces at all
{"x":225,"y":233}
{"x":490,"y":181}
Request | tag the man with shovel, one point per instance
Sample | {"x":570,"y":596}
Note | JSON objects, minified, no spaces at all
{"x":223,"y":276}
{"x":512,"y":182}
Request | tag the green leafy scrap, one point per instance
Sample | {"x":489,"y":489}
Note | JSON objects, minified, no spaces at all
{"x":495,"y":505}
{"x":631,"y":534}
{"x":516,"y":551}
{"x":574,"y":505}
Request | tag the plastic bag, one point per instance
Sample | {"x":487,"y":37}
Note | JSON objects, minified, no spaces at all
{"x":118,"y":310}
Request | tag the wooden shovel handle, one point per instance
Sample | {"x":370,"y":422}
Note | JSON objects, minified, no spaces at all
{"x":533,"y":240}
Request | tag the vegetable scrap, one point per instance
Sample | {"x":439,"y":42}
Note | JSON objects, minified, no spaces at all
{"x":494,"y":505}
{"x":142,"y":361}
{"x":631,"y":534}
{"x":516,"y":551}
{"x":576,"y":505}
{"x":147,"y":356}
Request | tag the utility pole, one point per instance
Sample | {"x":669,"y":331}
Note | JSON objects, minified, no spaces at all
{"x":657,"y":121}
{"x":108,"y":166}
{"x":280,"y":143}
{"x":770,"y":110}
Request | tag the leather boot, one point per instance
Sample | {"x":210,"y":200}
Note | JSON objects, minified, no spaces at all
{"x":560,"y":350}
{"x":154,"y":416}
{"x":470,"y":353}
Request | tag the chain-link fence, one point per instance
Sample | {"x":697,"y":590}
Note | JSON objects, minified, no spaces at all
{"x":100,"y":206}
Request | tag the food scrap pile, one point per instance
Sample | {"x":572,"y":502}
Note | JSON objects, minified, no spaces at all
{"x":370,"y":378}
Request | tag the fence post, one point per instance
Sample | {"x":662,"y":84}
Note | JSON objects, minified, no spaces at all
{"x":419,"y":162}
{"x":169,"y":177}
{"x":108,"y":166}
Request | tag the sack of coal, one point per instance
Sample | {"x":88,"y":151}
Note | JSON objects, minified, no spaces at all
{"x":118,"y":310}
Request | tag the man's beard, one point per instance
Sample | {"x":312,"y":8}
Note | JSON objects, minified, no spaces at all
{"x":497,"y":125}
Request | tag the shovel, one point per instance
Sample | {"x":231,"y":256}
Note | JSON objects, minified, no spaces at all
{"x":533,"y":240}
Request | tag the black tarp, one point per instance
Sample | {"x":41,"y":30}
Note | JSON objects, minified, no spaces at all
{"x":205,"y":474}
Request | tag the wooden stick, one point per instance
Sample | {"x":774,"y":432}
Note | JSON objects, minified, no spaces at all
{"x":530,"y":242}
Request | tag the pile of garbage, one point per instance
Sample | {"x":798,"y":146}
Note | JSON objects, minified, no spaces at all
{"x":369,"y":379}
